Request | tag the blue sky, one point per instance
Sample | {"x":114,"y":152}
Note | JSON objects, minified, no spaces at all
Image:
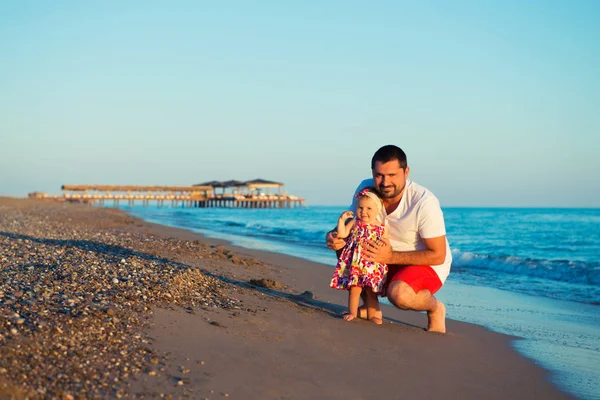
{"x":495,"y":102}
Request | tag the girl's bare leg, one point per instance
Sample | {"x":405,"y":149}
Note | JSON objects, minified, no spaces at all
{"x":362,"y":310}
{"x":372,"y":303}
{"x":353,"y":300}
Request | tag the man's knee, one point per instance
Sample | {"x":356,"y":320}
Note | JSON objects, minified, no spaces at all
{"x":400,"y":294}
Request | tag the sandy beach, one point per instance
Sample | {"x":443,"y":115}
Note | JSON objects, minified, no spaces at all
{"x":98,"y":304}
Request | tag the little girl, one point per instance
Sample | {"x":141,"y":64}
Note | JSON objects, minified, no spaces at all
{"x":352,"y":272}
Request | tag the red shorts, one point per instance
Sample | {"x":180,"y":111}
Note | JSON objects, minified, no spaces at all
{"x":418,"y":277}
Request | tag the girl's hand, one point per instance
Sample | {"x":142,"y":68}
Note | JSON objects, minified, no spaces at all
{"x":346,"y":215}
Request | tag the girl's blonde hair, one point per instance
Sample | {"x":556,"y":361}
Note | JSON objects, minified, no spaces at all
{"x":371,"y":193}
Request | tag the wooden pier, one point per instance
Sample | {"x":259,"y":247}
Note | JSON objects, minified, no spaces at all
{"x":245,"y":195}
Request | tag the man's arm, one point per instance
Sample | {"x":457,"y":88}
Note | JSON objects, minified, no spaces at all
{"x":435,"y":253}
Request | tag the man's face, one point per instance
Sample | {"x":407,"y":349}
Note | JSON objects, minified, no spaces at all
{"x":389,"y":179}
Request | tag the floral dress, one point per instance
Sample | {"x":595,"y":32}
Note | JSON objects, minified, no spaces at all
{"x":352,"y":269}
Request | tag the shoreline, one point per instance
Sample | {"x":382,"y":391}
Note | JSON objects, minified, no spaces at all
{"x":287,"y":323}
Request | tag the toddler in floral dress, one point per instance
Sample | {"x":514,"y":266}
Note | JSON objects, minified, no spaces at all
{"x":352,"y":272}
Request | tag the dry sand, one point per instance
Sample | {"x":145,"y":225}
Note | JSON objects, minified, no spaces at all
{"x":271,"y":329}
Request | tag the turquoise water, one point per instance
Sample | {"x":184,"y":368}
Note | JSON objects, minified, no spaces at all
{"x":531,"y":273}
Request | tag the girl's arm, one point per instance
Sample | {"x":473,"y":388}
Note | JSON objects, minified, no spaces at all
{"x":345,"y":224}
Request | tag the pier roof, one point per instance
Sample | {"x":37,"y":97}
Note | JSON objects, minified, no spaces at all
{"x":235,"y":183}
{"x":136,"y":188}
{"x":263,"y":183}
{"x":214,"y":184}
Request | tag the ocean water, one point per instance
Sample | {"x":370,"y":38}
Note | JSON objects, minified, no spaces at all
{"x":531,"y":273}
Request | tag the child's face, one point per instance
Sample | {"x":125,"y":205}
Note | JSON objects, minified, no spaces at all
{"x":366,"y":210}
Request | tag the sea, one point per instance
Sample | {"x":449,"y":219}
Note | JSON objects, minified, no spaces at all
{"x":533,"y":273}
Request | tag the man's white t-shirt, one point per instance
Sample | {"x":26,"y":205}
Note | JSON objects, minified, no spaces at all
{"x":418,"y":216}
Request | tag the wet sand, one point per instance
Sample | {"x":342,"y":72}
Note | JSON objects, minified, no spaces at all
{"x":98,"y":304}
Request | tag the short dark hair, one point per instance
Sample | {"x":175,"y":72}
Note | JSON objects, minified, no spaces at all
{"x":389,"y":153}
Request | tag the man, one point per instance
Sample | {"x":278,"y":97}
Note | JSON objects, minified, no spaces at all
{"x":417,"y":252}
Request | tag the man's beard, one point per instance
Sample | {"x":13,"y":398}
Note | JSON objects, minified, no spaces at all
{"x":390,"y":195}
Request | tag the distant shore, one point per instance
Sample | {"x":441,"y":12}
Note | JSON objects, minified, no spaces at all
{"x":96,"y":303}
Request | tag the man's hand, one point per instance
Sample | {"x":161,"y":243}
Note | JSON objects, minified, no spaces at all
{"x":378,"y":251}
{"x":334,"y":242}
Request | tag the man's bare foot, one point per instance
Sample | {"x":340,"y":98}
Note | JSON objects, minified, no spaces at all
{"x":348,"y":317}
{"x":437,"y":318}
{"x":376,"y":320}
{"x":362,"y":313}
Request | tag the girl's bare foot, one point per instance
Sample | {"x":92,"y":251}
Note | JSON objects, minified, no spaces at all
{"x":349,"y":317}
{"x":376,"y":320}
{"x":362,"y":311}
